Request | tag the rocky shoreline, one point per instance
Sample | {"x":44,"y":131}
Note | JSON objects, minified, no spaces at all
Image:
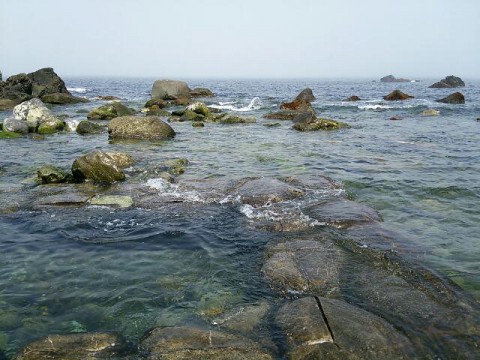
{"x":337,"y":296}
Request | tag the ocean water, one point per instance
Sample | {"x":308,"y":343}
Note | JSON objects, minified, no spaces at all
{"x":74,"y":269}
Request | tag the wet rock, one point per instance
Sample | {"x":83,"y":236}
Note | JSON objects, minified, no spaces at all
{"x":391,"y":78}
{"x":449,"y":82}
{"x":46,"y":81}
{"x":190,"y":115}
{"x":49,"y":174}
{"x":244,"y":319}
{"x":396,"y":117}
{"x":199,"y":108}
{"x":109,"y":111}
{"x":201,"y":92}
{"x":51,"y":126}
{"x":75,"y":346}
{"x":319,"y":124}
{"x":306,"y":95}
{"x":175,"y":166}
{"x":272,"y":124}
{"x":85,"y":127}
{"x":430,"y":112}
{"x":9,"y":135}
{"x":262,"y":191}
{"x":35,"y":113}
{"x":455,"y":98}
{"x":352,"y":98}
{"x":282,"y":115}
{"x":156,"y":111}
{"x":107,"y":97}
{"x":235,"y":119}
{"x":296,"y":105}
{"x":342,"y":213}
{"x":122,"y":160}
{"x":198,"y":124}
{"x":120,"y":201}
{"x":192,"y":343}
{"x":97,"y":166}
{"x":62,"y":98}
{"x":170,"y":89}
{"x":397,"y":95}
{"x":145,"y":128}
{"x":15,"y":126}
{"x":160,"y":103}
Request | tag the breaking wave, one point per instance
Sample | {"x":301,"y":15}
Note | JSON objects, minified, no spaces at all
{"x":254,"y":104}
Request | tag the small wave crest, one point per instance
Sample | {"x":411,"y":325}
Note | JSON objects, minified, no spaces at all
{"x":79,"y":90}
{"x":254,"y":104}
{"x":166,"y":188}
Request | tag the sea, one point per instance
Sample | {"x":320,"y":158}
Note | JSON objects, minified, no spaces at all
{"x":92,"y":268}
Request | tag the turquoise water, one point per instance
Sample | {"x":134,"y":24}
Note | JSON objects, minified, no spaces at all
{"x":93,"y":268}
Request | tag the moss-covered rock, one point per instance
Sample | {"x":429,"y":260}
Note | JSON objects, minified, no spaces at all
{"x":109,"y":111}
{"x":51,"y":126}
{"x":320,"y":124}
{"x":190,"y":115}
{"x":235,"y":119}
{"x":98,"y":166}
{"x":176,"y":166}
{"x":85,"y":127}
{"x":199,"y":108}
{"x":198,"y":124}
{"x":50,"y":174}
{"x":156,"y":111}
{"x":144,"y":128}
{"x":9,"y":135}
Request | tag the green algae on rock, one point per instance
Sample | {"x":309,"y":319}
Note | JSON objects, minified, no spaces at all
{"x":143,"y":128}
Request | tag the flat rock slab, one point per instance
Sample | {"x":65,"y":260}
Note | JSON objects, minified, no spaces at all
{"x":193,"y":343}
{"x":121,"y":201}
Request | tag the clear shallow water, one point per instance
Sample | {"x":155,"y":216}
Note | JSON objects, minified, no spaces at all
{"x":110,"y":269}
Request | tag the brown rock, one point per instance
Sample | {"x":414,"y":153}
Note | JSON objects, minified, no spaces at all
{"x":397,"y":95}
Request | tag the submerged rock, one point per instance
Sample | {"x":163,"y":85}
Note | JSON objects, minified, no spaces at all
{"x":170,"y":89}
{"x":455,"y":98}
{"x":121,"y":201}
{"x":397,"y":95}
{"x":143,"y":128}
{"x":235,"y":119}
{"x":319,"y":124}
{"x":75,"y":346}
{"x":352,"y":98}
{"x":449,"y":82}
{"x":49,"y":174}
{"x":430,"y":112}
{"x":98,"y":166}
{"x":109,"y":111}
{"x":193,"y":343}
{"x":391,"y":78}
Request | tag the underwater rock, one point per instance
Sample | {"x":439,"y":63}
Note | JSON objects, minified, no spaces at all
{"x":319,"y":124}
{"x":244,"y":319}
{"x":170,"y":89}
{"x":430,"y":112}
{"x":49,"y":174}
{"x":342,"y":213}
{"x":391,"y":78}
{"x":15,"y":126}
{"x":449,"y":82}
{"x":175,"y":166}
{"x":143,"y":128}
{"x":62,"y":98}
{"x":109,"y":111}
{"x":85,"y":127}
{"x":352,"y":98}
{"x":396,"y":95}
{"x":97,"y":166}
{"x":201,"y":92}
{"x":455,"y":98}
{"x":120,"y":201}
{"x":198,"y":124}
{"x":75,"y":346}
{"x":193,"y":343}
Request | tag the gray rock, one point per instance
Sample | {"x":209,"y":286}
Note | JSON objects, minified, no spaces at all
{"x":49,"y":174}
{"x":75,"y":346}
{"x":144,"y":128}
{"x":17,"y":126}
{"x":245,"y":319}
{"x":97,"y":166}
{"x":192,"y":343}
{"x":235,"y":119}
{"x":35,"y":113}
{"x":449,"y":82}
{"x":85,"y":127}
{"x":455,"y":98}
{"x":170,"y":89}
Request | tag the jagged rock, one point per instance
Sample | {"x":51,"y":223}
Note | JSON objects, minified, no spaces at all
{"x":145,"y":128}
{"x":87,"y":127}
{"x":397,"y":95}
{"x":15,"y":126}
{"x":352,"y":98}
{"x":449,"y":82}
{"x":46,"y":81}
{"x":391,"y":78}
{"x":75,"y":346}
{"x":192,"y":343}
{"x":61,"y":98}
{"x":455,"y":98}
{"x":170,"y":89}
{"x":306,"y":95}
{"x":201,"y":92}
{"x":98,"y":166}
{"x":109,"y":111}
{"x":49,"y":174}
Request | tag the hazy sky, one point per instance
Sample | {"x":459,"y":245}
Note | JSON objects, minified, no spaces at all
{"x":247,"y":38}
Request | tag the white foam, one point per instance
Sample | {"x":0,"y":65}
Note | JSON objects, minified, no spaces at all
{"x":254,"y":104}
{"x":174,"y":190}
{"x":79,"y":90}
{"x":72,"y":124}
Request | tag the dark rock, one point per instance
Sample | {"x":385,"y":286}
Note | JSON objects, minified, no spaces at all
{"x":109,"y":111}
{"x":271,"y":125}
{"x":134,"y":127}
{"x":201,"y":92}
{"x":97,"y":166}
{"x":1,"y":79}
{"x":75,"y":346}
{"x":192,"y":343}
{"x":455,"y":98}
{"x":107,"y":97}
{"x":297,"y":105}
{"x":449,"y":82}
{"x":49,"y":174}
{"x":17,"y":88}
{"x":397,"y":95}
{"x":62,"y":98}
{"x":391,"y":78}
{"x":190,"y":115}
{"x":304,"y":118}
{"x":15,"y":126}
{"x":342,"y":213}
{"x":87,"y":127}
{"x":170,"y":89}
{"x":306,"y":95}
{"x":282,"y":115}
{"x":396,"y":117}
{"x":156,"y":111}
{"x":319,"y":124}
{"x":198,"y":124}
{"x":352,"y":98}
{"x":46,"y":81}
{"x":160,"y":103}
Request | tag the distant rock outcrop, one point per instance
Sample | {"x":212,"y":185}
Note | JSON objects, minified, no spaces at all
{"x":352,"y":98}
{"x":449,"y":82}
{"x":391,"y":78}
{"x":455,"y":98}
{"x":397,"y":95}
{"x":170,"y":89}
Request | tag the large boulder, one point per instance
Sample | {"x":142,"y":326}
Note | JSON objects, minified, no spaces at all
{"x":449,"y":82}
{"x":35,"y":113}
{"x":62,"y":98}
{"x":455,"y":98}
{"x":75,"y":346}
{"x":391,"y":78}
{"x":170,"y":89}
{"x":109,"y":111}
{"x":134,"y":127}
{"x":99,"y":166}
{"x":17,"y":88}
{"x":46,"y":81}
{"x":397,"y":95}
